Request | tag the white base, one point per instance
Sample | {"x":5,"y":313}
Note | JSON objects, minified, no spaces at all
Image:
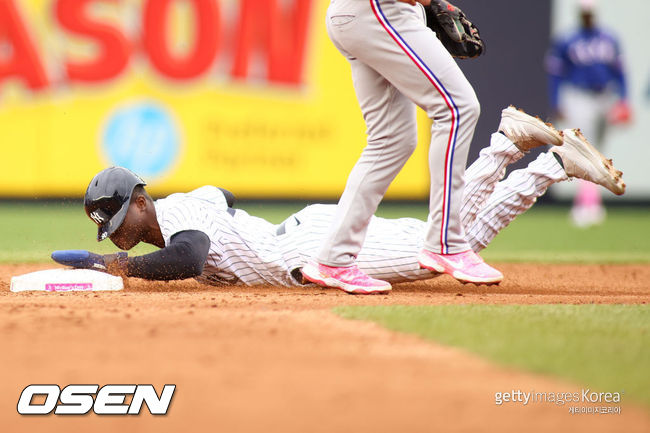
{"x":66,"y":280}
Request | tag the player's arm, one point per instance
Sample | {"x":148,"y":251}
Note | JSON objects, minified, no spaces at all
{"x":184,"y":257}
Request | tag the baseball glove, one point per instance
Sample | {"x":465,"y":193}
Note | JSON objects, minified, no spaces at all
{"x":458,"y":35}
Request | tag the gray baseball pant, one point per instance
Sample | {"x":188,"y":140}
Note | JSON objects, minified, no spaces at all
{"x":397,"y":63}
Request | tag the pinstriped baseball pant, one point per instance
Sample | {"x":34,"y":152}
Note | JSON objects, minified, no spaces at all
{"x":397,"y":64}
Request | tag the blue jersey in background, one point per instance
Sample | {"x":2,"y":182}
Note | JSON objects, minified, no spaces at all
{"x":588,"y":59}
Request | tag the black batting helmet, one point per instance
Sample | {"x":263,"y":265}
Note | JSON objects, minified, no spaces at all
{"x":107,"y":198}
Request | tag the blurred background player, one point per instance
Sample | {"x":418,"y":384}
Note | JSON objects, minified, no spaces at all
{"x":588,"y":89}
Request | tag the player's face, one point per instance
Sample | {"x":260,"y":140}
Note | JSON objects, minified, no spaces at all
{"x":131,"y":231}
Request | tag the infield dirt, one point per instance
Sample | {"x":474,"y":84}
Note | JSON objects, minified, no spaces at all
{"x":270,"y":359}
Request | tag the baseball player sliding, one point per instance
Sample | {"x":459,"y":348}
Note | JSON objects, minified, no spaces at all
{"x":201,"y":235}
{"x":398,"y":63}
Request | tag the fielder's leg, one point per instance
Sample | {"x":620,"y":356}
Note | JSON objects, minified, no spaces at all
{"x":392,"y":137}
{"x":412,"y":58}
{"x":381,"y":73}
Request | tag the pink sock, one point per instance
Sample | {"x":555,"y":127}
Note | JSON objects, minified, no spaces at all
{"x":588,"y":195}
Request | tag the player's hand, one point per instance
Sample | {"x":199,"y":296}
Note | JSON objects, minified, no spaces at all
{"x":81,"y":259}
{"x":620,"y":114}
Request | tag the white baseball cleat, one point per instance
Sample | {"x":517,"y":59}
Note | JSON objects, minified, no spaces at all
{"x":527,"y":132}
{"x":583,"y":161}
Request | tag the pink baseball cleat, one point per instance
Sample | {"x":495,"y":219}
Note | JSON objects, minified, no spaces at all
{"x":467,"y":267}
{"x":350,"y":279}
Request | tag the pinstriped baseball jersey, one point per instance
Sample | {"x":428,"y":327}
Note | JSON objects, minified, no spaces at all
{"x":243,"y":248}
{"x":250,"y":250}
